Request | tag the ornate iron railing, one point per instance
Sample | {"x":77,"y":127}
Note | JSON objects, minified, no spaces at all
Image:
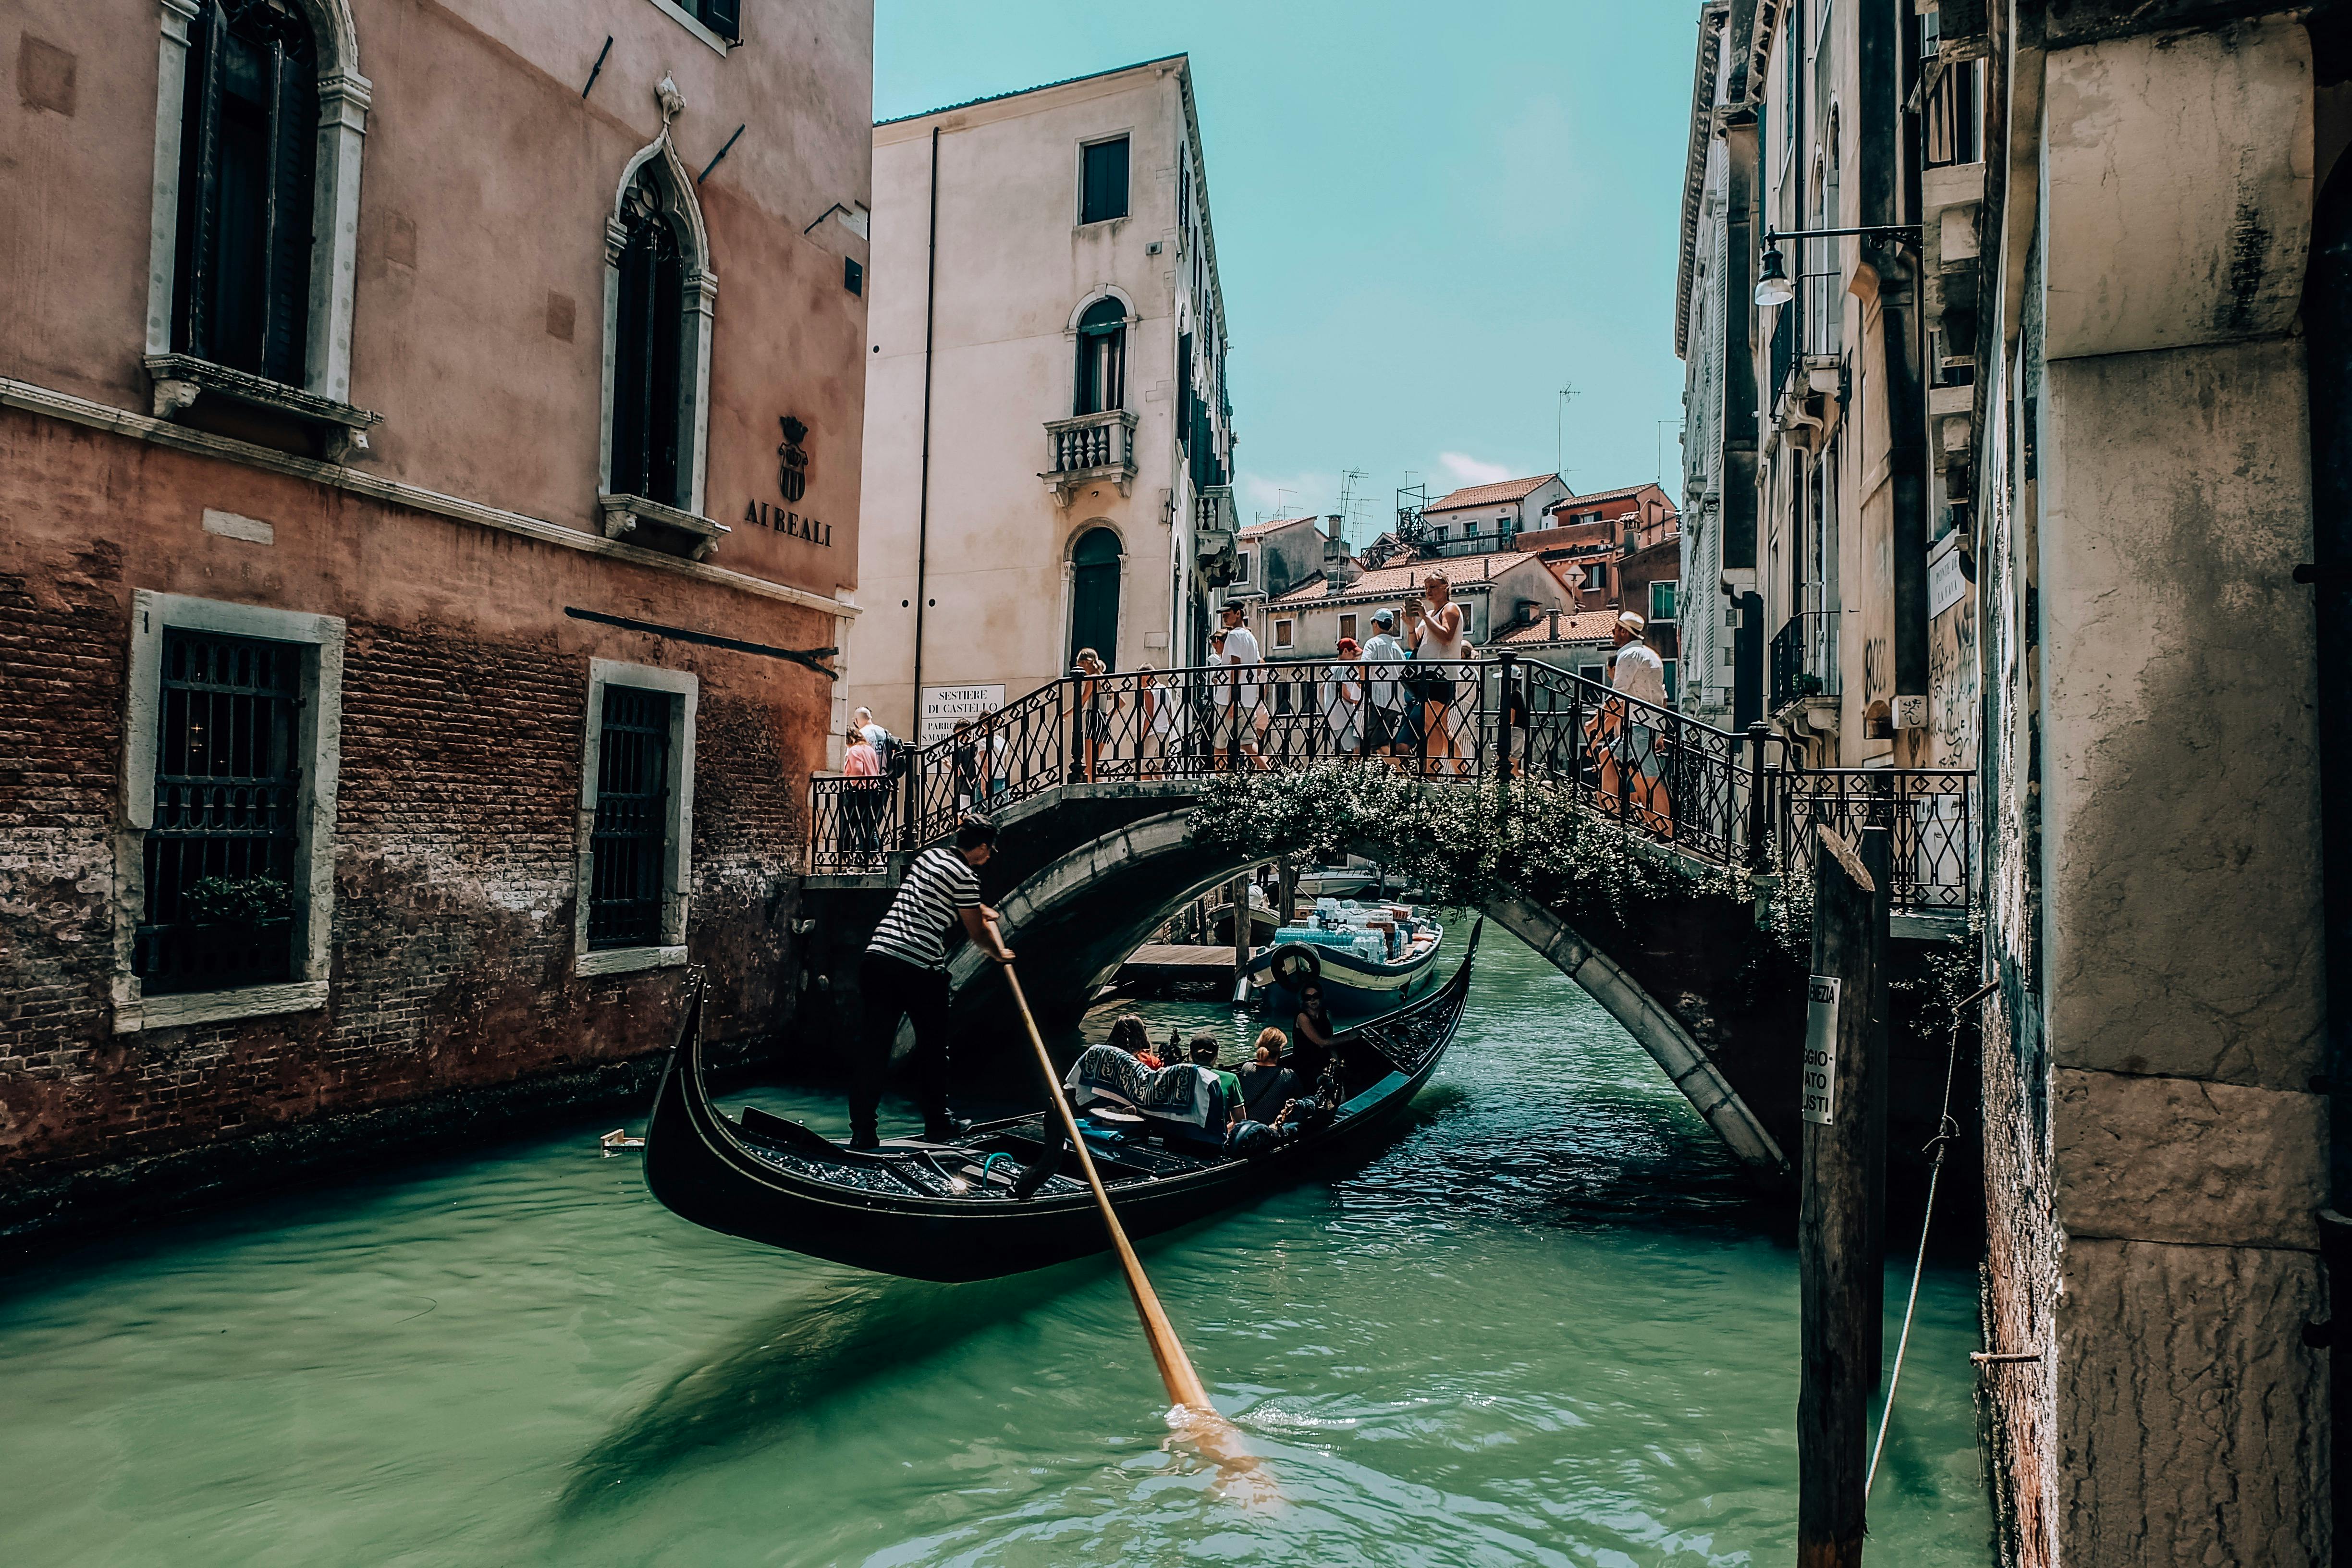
{"x":1721,"y":797}
{"x":1929,"y":813}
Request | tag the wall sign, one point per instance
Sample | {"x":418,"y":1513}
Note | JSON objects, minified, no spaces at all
{"x":1947,"y":585}
{"x":792,"y":482}
{"x":1820,"y":1089}
{"x":944,"y":707}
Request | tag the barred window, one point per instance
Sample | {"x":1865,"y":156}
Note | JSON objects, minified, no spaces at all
{"x":631,"y":843}
{"x":219,"y":858}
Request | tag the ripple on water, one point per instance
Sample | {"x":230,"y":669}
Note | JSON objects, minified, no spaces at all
{"x":1539,"y":1328}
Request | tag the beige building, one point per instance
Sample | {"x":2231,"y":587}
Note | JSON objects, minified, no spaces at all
{"x":1049,"y":435}
{"x":1499,"y":592}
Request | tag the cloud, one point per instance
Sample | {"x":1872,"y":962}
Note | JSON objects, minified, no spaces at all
{"x":1469,"y":470}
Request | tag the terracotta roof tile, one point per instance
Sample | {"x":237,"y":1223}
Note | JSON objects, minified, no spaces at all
{"x":1490,"y":495}
{"x":1577,"y":503}
{"x":1581,"y":625}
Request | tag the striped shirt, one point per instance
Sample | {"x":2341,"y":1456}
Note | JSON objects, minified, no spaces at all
{"x":915,"y":929}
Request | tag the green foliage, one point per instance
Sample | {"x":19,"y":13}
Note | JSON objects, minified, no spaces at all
{"x":1461,"y":844}
{"x":237,"y":900}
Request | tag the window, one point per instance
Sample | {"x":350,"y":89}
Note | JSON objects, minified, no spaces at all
{"x":723,"y":18}
{"x":1096,"y":562}
{"x":1662,"y":602}
{"x":1282,"y":634}
{"x":853,"y":276}
{"x":1347,"y":627}
{"x":249,"y":131}
{"x":1242,"y":568}
{"x":1599,"y":672}
{"x":658,"y":297}
{"x":1470,"y":529}
{"x":1102,"y":358}
{"x":218,"y":867}
{"x":645,"y":351}
{"x":230,"y":760}
{"x":637,"y":813}
{"x":631,"y":837}
{"x":1102,"y":193}
{"x":1670,"y":678}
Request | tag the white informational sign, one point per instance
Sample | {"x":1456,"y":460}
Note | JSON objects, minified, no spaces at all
{"x":1946,"y":587}
{"x":945,"y":706}
{"x":1821,"y":1051}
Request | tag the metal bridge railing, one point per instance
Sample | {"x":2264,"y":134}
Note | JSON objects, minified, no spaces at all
{"x":1711,"y":794}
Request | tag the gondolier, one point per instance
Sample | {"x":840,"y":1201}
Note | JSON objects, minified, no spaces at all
{"x":903,"y":974}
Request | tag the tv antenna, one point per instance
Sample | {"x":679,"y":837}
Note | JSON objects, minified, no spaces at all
{"x":1560,"y":427}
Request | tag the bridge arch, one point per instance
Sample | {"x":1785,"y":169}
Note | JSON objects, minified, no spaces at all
{"x":1075,"y":915}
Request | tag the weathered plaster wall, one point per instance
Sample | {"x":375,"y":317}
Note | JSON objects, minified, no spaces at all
{"x":478,"y":331}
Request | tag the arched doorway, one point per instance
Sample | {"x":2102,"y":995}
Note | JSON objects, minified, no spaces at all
{"x":1094,"y":596}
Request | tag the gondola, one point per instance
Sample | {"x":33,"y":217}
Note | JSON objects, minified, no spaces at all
{"x":948,"y":1211}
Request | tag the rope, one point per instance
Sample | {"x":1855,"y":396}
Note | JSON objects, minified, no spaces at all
{"x":1946,"y":1130}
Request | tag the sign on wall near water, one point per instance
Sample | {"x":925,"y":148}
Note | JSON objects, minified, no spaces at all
{"x":1820,"y":1092}
{"x":944,"y":707}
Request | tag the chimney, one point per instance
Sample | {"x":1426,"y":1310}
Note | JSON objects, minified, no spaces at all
{"x":1333,"y":521}
{"x":1553,"y":634}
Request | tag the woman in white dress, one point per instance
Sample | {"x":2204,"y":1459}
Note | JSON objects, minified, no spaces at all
{"x":1342,"y":697}
{"x":1439,"y":642}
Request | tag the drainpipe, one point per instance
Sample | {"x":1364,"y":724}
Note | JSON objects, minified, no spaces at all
{"x":923,"y":497}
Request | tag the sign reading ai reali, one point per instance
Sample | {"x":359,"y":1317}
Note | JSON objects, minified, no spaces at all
{"x":791,"y":483}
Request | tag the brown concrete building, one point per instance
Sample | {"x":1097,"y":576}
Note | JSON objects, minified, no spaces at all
{"x":411,"y":468}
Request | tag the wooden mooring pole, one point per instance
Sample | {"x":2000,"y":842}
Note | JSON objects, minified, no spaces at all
{"x":1240,"y":892}
{"x":1840,"y":1223}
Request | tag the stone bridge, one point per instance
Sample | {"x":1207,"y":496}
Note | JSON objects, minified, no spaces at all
{"x":1085,"y":870}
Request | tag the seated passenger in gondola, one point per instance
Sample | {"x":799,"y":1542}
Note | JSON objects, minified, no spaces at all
{"x":1203,"y":1052}
{"x":1128,"y":1034}
{"x":1314,"y":1033}
{"x":1265,"y":1084}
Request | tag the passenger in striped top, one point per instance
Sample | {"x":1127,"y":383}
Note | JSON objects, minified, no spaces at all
{"x":903,"y":974}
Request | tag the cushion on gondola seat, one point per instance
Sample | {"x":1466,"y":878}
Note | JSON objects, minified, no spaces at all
{"x":1183,"y":1094}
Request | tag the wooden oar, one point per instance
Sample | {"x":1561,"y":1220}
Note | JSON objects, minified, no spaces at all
{"x":1195,"y":1417}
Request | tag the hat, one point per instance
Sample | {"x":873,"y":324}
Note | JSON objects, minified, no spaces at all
{"x":1631,"y":622}
{"x":1383,"y":618}
{"x":1348,"y":645}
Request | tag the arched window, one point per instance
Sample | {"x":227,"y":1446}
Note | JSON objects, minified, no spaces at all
{"x":1094,"y":595}
{"x":1102,"y":359}
{"x":249,"y":140}
{"x":648,"y":393}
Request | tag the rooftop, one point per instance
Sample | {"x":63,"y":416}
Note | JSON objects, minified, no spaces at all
{"x":1022,"y":91}
{"x":1467,"y":573}
{"x":1622,"y":492}
{"x":1581,"y":626}
{"x":1491,"y":495}
{"x":1260,"y":529}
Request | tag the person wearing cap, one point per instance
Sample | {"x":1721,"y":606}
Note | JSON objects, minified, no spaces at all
{"x":1237,"y":705}
{"x":1384,"y":691}
{"x":1626,"y":726}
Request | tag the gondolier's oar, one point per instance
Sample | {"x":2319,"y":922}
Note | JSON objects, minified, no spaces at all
{"x":1211,"y":1432}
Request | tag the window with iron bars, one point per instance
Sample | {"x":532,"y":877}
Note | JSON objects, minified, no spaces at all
{"x":219,"y":861}
{"x":630,"y":846}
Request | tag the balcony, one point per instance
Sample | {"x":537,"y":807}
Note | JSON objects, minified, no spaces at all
{"x":1805,"y":671}
{"x":1092,"y":449}
{"x":1215,"y":533}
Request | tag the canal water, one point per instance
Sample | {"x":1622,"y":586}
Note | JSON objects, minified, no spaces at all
{"x":1541,"y":1327}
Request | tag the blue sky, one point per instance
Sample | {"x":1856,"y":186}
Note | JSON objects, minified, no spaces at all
{"x":1429,"y":219}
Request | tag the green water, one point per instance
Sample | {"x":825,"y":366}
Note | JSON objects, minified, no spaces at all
{"x":1540,"y":1329}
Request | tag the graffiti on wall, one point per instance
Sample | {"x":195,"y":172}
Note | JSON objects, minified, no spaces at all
{"x":1952,"y":686}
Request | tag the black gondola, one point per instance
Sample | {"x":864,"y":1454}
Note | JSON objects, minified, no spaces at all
{"x":949,"y":1212}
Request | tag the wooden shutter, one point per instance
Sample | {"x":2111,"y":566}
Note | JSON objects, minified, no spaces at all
{"x":724,"y":17}
{"x":293,"y":173}
{"x":199,"y":183}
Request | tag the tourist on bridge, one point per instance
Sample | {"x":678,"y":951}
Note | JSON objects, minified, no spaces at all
{"x":862,"y":802}
{"x":1093,"y":721}
{"x":1384,"y":659}
{"x":1239,"y":713}
{"x":903,"y":974}
{"x":1433,"y":627}
{"x":1343,"y":699}
{"x":1155,"y":722}
{"x":1625,"y":730}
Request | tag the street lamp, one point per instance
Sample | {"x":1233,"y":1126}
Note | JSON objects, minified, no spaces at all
{"x":1773,"y":285}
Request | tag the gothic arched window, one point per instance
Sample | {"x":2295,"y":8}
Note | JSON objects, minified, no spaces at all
{"x":648,"y":357}
{"x":249,"y":148}
{"x":1102,"y":358}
